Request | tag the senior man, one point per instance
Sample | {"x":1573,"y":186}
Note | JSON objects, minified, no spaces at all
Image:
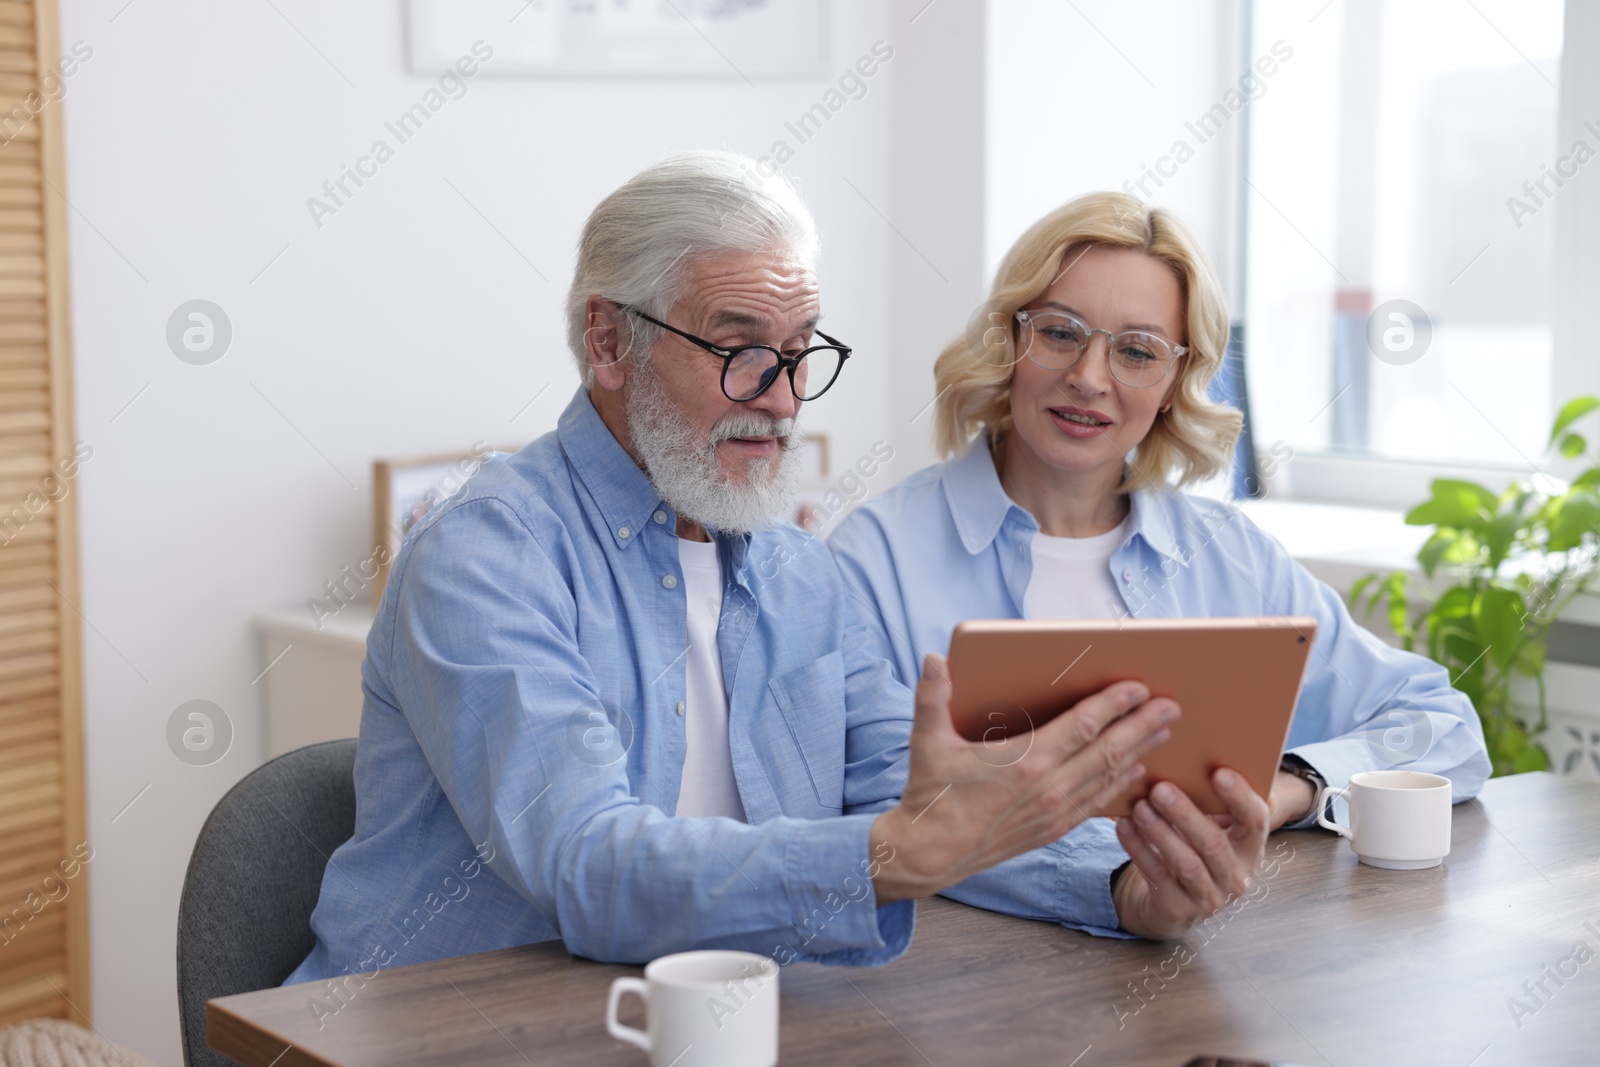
{"x":586,"y":715}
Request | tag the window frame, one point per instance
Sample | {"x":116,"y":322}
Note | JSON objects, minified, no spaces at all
{"x":1331,"y":476}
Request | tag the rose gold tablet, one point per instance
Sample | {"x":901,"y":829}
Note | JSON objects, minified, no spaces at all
{"x":1236,"y":679}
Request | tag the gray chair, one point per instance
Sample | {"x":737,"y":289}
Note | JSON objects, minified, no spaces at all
{"x":244,"y":921}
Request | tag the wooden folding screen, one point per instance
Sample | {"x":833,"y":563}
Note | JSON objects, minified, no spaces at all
{"x":43,"y":881}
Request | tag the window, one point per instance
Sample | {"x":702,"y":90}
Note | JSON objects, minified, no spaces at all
{"x":1401,"y":236}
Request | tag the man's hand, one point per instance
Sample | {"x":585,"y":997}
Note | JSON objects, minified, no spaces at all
{"x":967,"y":806}
{"x":1186,"y":864}
{"x":1291,"y":798}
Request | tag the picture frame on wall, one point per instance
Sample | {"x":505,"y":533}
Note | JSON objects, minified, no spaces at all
{"x":815,"y":470}
{"x":706,"y":40}
{"x":404,"y":491}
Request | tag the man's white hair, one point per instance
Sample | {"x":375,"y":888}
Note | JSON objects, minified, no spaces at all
{"x":640,"y":241}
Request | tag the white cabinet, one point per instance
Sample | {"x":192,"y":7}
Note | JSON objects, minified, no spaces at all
{"x":312,"y":679}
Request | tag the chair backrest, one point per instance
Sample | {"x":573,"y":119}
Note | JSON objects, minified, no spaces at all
{"x":244,"y":922}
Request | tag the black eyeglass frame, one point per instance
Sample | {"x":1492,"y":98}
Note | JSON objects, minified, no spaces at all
{"x":785,"y":363}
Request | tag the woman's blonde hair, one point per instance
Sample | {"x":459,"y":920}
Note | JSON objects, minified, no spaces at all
{"x":1195,"y":437}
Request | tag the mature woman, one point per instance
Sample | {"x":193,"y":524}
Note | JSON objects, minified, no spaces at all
{"x":1073,"y":413}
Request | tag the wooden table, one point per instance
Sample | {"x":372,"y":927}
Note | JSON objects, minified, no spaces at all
{"x":1334,"y":963}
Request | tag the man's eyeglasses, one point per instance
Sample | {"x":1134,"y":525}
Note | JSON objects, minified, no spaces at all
{"x":1056,"y":340}
{"x":749,"y":370}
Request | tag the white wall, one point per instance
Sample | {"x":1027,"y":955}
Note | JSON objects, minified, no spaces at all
{"x":1005,"y":110}
{"x":1084,"y":96}
{"x":1577,"y":274}
{"x":404,"y":325}
{"x":938,"y":198}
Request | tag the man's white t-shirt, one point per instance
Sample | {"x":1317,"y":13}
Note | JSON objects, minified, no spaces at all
{"x":708,"y":786}
{"x":1072,"y":576}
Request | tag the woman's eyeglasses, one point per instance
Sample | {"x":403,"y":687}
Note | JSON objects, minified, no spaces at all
{"x":1056,"y":340}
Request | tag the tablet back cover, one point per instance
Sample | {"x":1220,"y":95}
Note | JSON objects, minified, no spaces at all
{"x":1236,"y":679}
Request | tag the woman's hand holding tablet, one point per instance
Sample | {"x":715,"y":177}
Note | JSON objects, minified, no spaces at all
{"x":1195,"y":826}
{"x":1186,"y":864}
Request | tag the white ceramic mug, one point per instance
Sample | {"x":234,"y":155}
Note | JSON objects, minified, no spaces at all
{"x":1399,"y":820}
{"x":704,"y":1009}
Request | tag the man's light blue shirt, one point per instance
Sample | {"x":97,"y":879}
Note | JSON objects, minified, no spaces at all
{"x":947,"y":545}
{"x":523,"y":736}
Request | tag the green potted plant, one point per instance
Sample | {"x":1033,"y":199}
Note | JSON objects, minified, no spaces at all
{"x":1509,"y":563}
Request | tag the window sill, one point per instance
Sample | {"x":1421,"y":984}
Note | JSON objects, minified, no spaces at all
{"x":1339,"y":543}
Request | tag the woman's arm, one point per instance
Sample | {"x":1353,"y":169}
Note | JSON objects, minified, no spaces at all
{"x":1364,"y":705}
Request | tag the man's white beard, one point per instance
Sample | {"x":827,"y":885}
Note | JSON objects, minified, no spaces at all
{"x":686,"y":472}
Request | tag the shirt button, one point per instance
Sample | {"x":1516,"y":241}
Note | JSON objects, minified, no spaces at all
{"x":1127,"y":574}
{"x":660,"y":517}
{"x":624,"y":533}
{"x":680,"y":707}
{"x":670,"y":581}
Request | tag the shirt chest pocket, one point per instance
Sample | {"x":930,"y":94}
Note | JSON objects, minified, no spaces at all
{"x":811,"y":699}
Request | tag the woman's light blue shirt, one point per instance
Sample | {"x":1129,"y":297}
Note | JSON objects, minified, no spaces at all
{"x":947,"y":545}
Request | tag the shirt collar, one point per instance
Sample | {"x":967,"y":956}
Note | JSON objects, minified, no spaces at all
{"x":1152,"y":520}
{"x":979,"y":504}
{"x":619,"y":486}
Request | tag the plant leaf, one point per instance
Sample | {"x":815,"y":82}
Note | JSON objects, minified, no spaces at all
{"x":1573,"y":445}
{"x":1456,"y":643}
{"x":1530,"y":661}
{"x":1515,"y":750}
{"x":1457,"y":504}
{"x":1532,"y":758}
{"x":1501,"y":533}
{"x":1455,"y":603}
{"x":1571,"y":412}
{"x":1508,"y":749}
{"x":1498,"y":614}
{"x":1470,"y":684}
{"x":1399,"y":604}
{"x":1381,"y":589}
{"x":1579,"y":514}
{"x":1355,"y":590}
{"x":1464,"y":551}
{"x":1434,"y":549}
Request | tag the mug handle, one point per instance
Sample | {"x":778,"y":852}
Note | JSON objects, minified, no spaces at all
{"x":1323,"y":796}
{"x":619,"y":988}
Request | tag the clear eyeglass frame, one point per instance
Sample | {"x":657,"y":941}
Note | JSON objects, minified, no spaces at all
{"x":1029,"y":320}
